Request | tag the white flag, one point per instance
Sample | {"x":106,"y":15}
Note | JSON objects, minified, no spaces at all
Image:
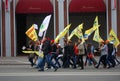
{"x":44,"y":25}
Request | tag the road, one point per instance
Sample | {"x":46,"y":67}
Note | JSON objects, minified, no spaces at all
{"x":18,"y":69}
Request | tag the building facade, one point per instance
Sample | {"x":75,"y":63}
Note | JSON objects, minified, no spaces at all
{"x":14,"y":21}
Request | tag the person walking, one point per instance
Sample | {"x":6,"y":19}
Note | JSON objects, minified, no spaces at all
{"x":46,"y":48}
{"x":81,"y":52}
{"x":104,"y":52}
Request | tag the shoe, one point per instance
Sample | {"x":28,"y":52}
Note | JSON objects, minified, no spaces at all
{"x":36,"y":67}
{"x":81,"y":68}
{"x":74,"y":67}
{"x":32,"y":64}
{"x":96,"y":66}
{"x":40,"y":70}
{"x":56,"y":69}
{"x":108,"y":67}
{"x":104,"y":66}
{"x":46,"y":68}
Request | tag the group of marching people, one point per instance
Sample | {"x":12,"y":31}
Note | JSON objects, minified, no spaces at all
{"x":71,"y":54}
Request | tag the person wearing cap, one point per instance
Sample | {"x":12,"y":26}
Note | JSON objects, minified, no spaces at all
{"x":59,"y":55}
{"x":104,"y":51}
{"x":46,"y":48}
{"x":55,"y":52}
{"x":71,"y":55}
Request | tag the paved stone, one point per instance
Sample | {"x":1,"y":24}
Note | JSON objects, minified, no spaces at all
{"x":21,"y":64}
{"x":20,"y":60}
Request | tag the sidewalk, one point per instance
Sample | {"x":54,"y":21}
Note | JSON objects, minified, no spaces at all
{"x":23,"y":60}
{"x":19,"y":60}
{"x":21,"y":64}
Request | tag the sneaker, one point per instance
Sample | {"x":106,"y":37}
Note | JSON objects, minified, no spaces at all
{"x":81,"y":68}
{"x":46,"y":68}
{"x":40,"y":70}
{"x":56,"y":69}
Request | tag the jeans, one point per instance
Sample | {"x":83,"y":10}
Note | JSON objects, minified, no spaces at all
{"x":39,"y":64}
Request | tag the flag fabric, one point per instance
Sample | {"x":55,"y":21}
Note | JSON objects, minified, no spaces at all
{"x":34,"y":52}
{"x":36,"y":26}
{"x":44,"y":25}
{"x":113,"y":38}
{"x":91,"y":30}
{"x":62,"y":33}
{"x":95,"y":22}
{"x":97,"y":37}
{"x":31,"y":33}
{"x":77,"y":32}
{"x":71,"y":35}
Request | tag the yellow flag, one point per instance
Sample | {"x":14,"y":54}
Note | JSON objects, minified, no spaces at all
{"x":63,"y":33}
{"x":36,"y":52}
{"x":95,"y":22}
{"x":31,"y":33}
{"x":96,"y":36}
{"x":113,"y":38}
{"x":77,"y":31}
{"x":91,"y":30}
{"x":71,"y":35}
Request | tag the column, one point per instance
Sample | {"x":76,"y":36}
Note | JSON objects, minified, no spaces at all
{"x":118,"y":23}
{"x":61,"y":18}
{"x":118,"y":17}
{"x":12,"y":28}
{"x":55,"y":11}
{"x":3,"y":44}
{"x":114,"y":16}
{"x":0,"y":24}
{"x":108,"y":15}
{"x":7,"y":28}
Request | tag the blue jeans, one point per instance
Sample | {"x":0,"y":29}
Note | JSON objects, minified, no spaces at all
{"x":49,"y":61}
{"x":39,"y":64}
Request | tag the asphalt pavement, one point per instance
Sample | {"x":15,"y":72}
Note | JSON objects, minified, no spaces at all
{"x":19,"y":69}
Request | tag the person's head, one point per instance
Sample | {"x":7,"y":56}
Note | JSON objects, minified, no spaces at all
{"x":58,"y":45}
{"x":69,"y":42}
{"x":31,"y":42}
{"x":102,"y":42}
{"x":44,"y":39}
{"x":65,"y":41}
{"x":52,"y":41}
{"x":89,"y":45}
{"x":37,"y":42}
{"x":107,"y":41}
{"x":79,"y":40}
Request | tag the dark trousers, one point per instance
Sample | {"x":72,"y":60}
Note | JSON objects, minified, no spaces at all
{"x":80,"y":61}
{"x":103,"y":60}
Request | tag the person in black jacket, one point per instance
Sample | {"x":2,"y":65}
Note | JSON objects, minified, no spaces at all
{"x":31,"y":56}
{"x":71,"y":54}
{"x":65,"y":54}
{"x":110,"y":59}
{"x":46,"y":48}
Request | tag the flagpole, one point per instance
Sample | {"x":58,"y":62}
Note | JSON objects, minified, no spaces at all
{"x":44,"y":29}
{"x":42,"y":41}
